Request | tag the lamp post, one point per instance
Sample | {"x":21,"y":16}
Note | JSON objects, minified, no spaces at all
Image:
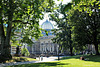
{"x":0,"y":39}
{"x":58,"y":51}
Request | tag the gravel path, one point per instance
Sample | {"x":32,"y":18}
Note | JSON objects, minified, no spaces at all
{"x":45,"y":59}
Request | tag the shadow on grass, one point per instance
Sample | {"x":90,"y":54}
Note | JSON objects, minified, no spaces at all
{"x":45,"y":64}
{"x":70,"y":57}
{"x":94,"y":58}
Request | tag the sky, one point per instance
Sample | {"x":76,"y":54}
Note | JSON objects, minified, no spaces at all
{"x":53,"y":22}
{"x":63,"y":2}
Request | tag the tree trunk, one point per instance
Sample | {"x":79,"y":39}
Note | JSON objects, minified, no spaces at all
{"x":96,"y":44}
{"x":3,"y":54}
{"x":5,"y":45}
{"x":96,"y":49}
{"x":71,"y":48}
{"x":4,"y":48}
{"x":95,"y":32}
{"x":2,"y":59}
{"x":5,"y":51}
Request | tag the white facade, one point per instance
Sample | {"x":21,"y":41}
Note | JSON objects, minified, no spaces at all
{"x":44,"y":45}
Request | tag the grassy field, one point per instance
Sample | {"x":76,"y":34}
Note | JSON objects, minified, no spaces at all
{"x":20,"y":59}
{"x":74,"y":61}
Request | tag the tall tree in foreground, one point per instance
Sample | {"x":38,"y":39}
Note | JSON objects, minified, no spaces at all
{"x":18,"y":14}
{"x":84,"y":17}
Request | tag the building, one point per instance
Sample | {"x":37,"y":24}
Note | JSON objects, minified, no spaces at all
{"x":44,"y":44}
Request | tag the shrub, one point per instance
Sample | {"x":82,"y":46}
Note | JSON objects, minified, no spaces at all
{"x":25,"y":52}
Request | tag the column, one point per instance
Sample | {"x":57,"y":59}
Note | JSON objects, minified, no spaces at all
{"x":50,"y":47}
{"x":45,"y":47}
{"x":53,"y":48}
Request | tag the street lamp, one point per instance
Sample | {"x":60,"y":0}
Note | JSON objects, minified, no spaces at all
{"x":58,"y":51}
{"x":0,"y":39}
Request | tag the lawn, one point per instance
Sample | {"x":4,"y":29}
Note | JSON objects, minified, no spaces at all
{"x":20,"y":59}
{"x":74,"y":61}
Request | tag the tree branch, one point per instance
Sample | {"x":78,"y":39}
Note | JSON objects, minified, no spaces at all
{"x":17,"y":21}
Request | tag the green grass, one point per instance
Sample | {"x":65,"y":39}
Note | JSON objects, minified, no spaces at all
{"x":20,"y":59}
{"x":74,"y":61}
{"x":94,"y":58}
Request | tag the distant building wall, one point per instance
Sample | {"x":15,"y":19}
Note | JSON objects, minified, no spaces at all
{"x":91,"y":47}
{"x":13,"y":49}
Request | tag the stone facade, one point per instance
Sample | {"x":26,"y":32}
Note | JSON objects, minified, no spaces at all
{"x":44,"y":44}
{"x":91,"y":48}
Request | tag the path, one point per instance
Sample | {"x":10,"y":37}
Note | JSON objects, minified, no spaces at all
{"x":45,"y":59}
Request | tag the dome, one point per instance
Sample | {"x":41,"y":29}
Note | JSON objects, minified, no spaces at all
{"x":47,"y":25}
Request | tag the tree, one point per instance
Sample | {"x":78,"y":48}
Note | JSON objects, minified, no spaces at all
{"x":18,"y":14}
{"x":84,"y":17}
{"x":82,"y":21}
{"x":63,"y":34}
{"x":25,"y":52}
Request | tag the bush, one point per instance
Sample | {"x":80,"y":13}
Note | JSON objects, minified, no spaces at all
{"x":25,"y":52}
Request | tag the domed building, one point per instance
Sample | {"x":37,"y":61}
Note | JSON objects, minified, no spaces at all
{"x":44,"y":45}
{"x":47,"y":25}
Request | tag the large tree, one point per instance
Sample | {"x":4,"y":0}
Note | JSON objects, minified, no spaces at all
{"x":18,"y":14}
{"x":63,"y":33}
{"x":84,"y":17}
{"x":64,"y":36}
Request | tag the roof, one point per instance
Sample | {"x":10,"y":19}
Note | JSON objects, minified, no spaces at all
{"x":47,"y":25}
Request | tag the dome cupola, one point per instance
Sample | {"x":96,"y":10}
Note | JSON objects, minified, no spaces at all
{"x":47,"y":25}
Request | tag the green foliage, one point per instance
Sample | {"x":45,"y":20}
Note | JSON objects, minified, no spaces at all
{"x":80,"y":24}
{"x":27,"y":41}
{"x":20,"y":19}
{"x":25,"y":52}
{"x":15,"y":43}
{"x":84,"y":19}
{"x":63,"y":34}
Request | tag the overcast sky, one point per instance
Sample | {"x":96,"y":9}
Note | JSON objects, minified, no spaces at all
{"x":57,"y":2}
